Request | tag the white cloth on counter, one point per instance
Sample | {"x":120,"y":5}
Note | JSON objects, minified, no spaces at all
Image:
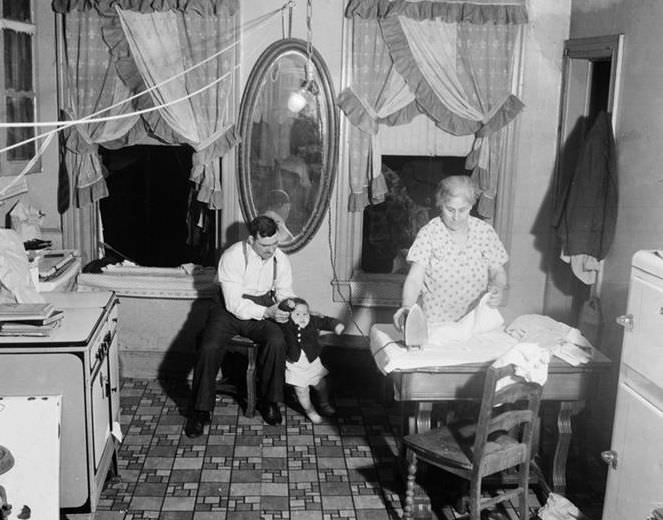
{"x":390,"y":353}
{"x":479,"y":320}
{"x":478,"y":337}
{"x":563,"y":341}
{"x":530,"y":363}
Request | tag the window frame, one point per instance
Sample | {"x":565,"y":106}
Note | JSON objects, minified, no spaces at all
{"x":350,"y":284}
{"x":14,"y":167}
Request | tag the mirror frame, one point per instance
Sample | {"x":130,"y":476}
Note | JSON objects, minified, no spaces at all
{"x":330,"y":137}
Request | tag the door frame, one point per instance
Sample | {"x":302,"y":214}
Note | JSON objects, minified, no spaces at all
{"x":580,"y":55}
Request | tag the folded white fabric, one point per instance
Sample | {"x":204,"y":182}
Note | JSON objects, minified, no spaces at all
{"x":482,"y":318}
{"x":389,"y":352}
{"x":530,"y":362}
{"x":563,"y":341}
{"x":559,"y":508}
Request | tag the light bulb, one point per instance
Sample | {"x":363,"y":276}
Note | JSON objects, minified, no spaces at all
{"x":297,"y":101}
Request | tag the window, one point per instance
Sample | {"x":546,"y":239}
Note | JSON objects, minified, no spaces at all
{"x":146,"y":217}
{"x":391,"y":226}
{"x":18,"y":83}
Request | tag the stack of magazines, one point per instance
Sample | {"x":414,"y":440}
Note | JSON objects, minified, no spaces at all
{"x":29,"y":319}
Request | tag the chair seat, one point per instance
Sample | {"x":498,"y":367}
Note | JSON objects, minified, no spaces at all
{"x":446,"y":447}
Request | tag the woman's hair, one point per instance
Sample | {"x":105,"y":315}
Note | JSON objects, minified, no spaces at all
{"x":457,"y":186}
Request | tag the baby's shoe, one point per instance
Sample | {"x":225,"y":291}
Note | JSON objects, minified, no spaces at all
{"x":327,"y":409}
{"x":313,"y":416}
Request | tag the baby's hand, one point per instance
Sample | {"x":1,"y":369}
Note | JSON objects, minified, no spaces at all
{"x":339,"y":329}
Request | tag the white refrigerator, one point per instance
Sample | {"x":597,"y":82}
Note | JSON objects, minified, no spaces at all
{"x":635,"y":477}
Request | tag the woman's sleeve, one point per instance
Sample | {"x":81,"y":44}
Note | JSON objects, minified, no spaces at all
{"x":493,"y":249}
{"x":420,"y":249}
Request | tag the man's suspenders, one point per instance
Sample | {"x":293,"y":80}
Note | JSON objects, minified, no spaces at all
{"x":272,"y":291}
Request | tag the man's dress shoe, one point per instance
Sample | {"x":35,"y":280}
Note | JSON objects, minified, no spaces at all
{"x":272,"y":414}
{"x":196,"y":423}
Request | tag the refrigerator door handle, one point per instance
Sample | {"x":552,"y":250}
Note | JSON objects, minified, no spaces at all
{"x":625,"y":321}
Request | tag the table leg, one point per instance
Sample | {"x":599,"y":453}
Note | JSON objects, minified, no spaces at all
{"x":567,"y":410}
{"x":420,"y":422}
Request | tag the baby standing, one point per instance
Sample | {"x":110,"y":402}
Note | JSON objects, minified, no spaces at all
{"x":303,"y":367}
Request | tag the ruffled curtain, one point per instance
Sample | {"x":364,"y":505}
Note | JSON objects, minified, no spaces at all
{"x":101,"y":71}
{"x":107,"y":7}
{"x":378,"y":93}
{"x":90,"y":85}
{"x":165,"y":44}
{"x":458,"y":60}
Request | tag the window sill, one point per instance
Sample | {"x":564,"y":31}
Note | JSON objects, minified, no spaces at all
{"x":146,"y":282}
{"x":370,"y":290}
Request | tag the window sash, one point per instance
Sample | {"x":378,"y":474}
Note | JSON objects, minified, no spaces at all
{"x":18,"y":83}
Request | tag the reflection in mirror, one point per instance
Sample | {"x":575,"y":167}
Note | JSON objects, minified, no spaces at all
{"x":287,"y":157}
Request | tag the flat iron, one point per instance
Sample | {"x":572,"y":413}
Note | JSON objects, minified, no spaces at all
{"x":415,"y":328}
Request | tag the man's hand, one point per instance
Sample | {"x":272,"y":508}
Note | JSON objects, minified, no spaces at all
{"x":276,"y":314}
{"x":339,"y":329}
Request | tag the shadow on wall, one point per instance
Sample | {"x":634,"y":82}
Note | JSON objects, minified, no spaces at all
{"x":176,"y":366}
{"x":564,"y":292}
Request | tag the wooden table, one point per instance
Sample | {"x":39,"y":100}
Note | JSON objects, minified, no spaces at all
{"x":568,"y":385}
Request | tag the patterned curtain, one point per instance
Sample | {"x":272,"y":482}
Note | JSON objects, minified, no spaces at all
{"x":100,"y":71}
{"x":458,"y":60}
{"x":165,"y":44}
{"x":90,"y":84}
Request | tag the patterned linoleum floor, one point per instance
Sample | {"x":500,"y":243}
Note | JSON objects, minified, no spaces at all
{"x":244,"y":469}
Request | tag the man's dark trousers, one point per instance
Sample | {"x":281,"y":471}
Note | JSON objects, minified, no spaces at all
{"x":221,"y":325}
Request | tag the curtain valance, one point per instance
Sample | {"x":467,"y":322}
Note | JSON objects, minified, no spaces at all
{"x":187,"y":60}
{"x":107,"y":7}
{"x":479,"y":12}
{"x":455,"y":62}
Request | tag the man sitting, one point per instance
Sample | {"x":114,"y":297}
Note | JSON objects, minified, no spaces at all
{"x":254,"y":276}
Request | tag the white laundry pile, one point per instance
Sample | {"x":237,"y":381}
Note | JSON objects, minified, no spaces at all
{"x":479,"y":320}
{"x":530,"y":363}
{"x":478,"y":337}
{"x":559,"y":508}
{"x":563,"y":341}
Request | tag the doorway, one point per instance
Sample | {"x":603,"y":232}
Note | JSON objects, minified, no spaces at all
{"x":590,"y":84}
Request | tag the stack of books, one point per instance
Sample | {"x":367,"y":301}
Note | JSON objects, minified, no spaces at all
{"x":53,"y":263}
{"x":29,"y":319}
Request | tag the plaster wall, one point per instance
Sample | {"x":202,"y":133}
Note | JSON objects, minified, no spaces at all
{"x":638,"y":134}
{"x":535,"y":154}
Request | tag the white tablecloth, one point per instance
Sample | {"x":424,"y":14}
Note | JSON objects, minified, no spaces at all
{"x":389,"y":352}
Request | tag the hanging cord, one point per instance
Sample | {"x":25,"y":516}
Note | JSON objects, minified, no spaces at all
{"x":287,"y":33}
{"x":309,"y":39}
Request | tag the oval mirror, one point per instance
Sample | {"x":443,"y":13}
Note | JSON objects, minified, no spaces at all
{"x":288,"y":125}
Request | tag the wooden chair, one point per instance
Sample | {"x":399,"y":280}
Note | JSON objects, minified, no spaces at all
{"x":243,"y":345}
{"x":501,"y":439}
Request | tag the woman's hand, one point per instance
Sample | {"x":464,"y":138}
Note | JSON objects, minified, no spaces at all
{"x":496,"y":296}
{"x":399,"y":317}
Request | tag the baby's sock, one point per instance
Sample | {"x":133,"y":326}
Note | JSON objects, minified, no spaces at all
{"x":304,"y":398}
